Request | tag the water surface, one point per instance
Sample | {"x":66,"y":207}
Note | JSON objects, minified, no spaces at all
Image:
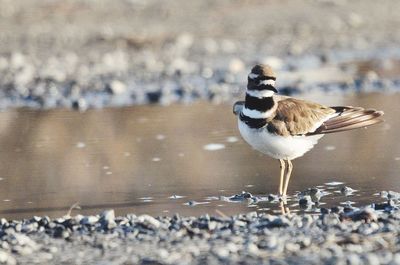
{"x":179,"y":159}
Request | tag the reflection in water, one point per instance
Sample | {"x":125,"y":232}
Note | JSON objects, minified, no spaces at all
{"x":182,"y":158}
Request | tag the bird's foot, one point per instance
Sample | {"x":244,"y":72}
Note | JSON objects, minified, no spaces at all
{"x":283,"y":198}
{"x":284,"y":208}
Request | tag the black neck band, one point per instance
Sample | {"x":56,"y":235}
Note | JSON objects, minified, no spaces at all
{"x":253,"y":123}
{"x":260,"y":104}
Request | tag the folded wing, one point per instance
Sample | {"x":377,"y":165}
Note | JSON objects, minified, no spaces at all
{"x":301,"y":117}
{"x":298,"y":117}
{"x":349,"y":118}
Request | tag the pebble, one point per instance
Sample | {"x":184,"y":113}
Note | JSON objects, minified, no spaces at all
{"x":244,"y":196}
{"x":107,"y":219}
{"x":305,"y":201}
{"x":149,"y":221}
{"x":347,"y":191}
{"x":117,"y":87}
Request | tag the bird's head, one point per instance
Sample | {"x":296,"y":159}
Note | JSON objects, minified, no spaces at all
{"x":261,"y":80}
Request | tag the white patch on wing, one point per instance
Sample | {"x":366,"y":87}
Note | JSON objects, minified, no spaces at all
{"x":260,"y":93}
{"x":255,"y":114}
{"x":318,"y":124}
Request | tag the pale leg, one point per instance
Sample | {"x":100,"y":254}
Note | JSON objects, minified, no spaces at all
{"x":284,"y":208}
{"x":289,"y":172}
{"x":282,"y":175}
{"x":282,"y":205}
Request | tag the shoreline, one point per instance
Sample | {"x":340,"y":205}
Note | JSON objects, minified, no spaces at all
{"x":364,"y":236}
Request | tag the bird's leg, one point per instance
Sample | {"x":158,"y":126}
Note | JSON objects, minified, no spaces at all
{"x":282,"y":175}
{"x":289,"y":172}
{"x":284,"y":208}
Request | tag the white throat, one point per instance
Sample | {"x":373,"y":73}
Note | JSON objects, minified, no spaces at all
{"x":260,"y":93}
{"x":255,"y":114}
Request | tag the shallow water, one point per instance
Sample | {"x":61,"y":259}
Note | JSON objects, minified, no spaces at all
{"x":179,"y":159}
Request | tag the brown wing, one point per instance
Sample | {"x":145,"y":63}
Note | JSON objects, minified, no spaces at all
{"x":349,"y":118}
{"x":298,"y":117}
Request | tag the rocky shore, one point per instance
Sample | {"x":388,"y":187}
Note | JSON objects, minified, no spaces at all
{"x":364,"y":236}
{"x":337,"y":235}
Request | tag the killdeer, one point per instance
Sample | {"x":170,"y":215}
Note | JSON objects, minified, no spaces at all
{"x":286,"y":128}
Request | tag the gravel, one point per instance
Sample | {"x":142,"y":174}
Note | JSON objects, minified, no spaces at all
{"x":363,"y":236}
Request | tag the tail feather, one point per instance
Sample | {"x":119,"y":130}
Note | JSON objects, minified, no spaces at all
{"x":355,"y":126}
{"x":349,"y":118}
{"x":351,"y":121}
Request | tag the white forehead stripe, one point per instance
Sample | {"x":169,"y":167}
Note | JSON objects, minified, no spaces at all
{"x":253,"y":76}
{"x":267,"y":82}
{"x":255,"y":114}
{"x":260,"y":93}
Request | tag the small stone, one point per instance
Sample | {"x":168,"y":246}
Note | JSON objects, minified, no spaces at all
{"x":149,"y":221}
{"x":387,"y":206}
{"x":3,"y":222}
{"x":117,"y":87}
{"x":372,"y":259}
{"x":353,"y":259}
{"x":305,"y":201}
{"x":89,"y":220}
{"x":240,"y":197}
{"x":347,"y":191}
{"x":337,"y":209}
{"x":325,"y":211}
{"x":393,"y":195}
{"x":154,"y":96}
{"x":251,"y":215}
{"x":367,"y":215}
{"x":107,"y":219}
{"x":221,"y":252}
{"x":80,"y":104}
{"x":6,"y":258}
{"x":273,"y":197}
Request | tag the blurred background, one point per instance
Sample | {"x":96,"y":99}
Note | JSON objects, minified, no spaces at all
{"x":189,"y":60}
{"x":95,"y":53}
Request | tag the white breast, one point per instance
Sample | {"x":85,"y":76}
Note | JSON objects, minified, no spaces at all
{"x":276,"y":146}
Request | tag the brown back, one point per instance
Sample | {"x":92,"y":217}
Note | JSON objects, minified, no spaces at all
{"x":297,"y":117}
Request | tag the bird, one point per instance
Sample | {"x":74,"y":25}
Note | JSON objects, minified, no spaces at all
{"x":286,"y":128}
